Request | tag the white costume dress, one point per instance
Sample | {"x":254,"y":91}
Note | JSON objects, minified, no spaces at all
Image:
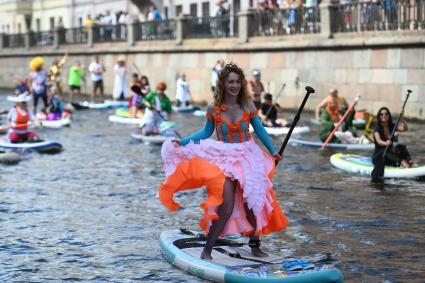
{"x":120,"y":83}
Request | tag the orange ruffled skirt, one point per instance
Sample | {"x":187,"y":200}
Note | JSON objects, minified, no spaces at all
{"x":208,"y":164}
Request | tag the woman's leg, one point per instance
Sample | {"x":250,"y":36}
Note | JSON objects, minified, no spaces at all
{"x":403,"y":153}
{"x":254,"y":241}
{"x":224,"y":212}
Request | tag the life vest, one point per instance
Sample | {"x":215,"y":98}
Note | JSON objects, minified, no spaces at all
{"x":21,"y":120}
{"x":333,"y":108}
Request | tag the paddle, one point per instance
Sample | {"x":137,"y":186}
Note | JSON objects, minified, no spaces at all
{"x":379,"y":168}
{"x":341,"y":121}
{"x":277,"y":97}
{"x":309,"y":90}
{"x":138,"y":90}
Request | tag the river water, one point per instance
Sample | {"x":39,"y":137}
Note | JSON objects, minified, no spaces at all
{"x":90,"y":213}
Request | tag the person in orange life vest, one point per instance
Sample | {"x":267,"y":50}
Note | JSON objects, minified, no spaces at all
{"x":18,"y":120}
{"x":330,"y":111}
{"x":256,"y":88}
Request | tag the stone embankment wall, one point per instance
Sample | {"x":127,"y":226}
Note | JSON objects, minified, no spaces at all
{"x":378,"y":67}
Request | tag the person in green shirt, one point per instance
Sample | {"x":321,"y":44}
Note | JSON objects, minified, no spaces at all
{"x":158,"y":106}
{"x":76,"y":75}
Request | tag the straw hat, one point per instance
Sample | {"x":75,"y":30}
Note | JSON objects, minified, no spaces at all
{"x":121,"y":58}
{"x":36,"y":63}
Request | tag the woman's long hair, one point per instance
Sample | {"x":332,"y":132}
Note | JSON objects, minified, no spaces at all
{"x":243,"y":96}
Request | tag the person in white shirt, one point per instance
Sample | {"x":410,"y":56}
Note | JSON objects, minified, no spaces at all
{"x":183,"y":91}
{"x":96,"y":70}
{"x":214,"y":74}
{"x":120,"y":82}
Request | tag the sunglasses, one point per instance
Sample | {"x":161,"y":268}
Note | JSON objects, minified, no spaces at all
{"x":384,"y":114}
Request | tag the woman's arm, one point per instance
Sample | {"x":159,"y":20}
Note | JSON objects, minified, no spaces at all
{"x":260,"y":131}
{"x":204,"y":133}
{"x":379,"y":141}
{"x":402,"y":125}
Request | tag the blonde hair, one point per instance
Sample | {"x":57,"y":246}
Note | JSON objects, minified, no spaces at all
{"x":243,"y":95}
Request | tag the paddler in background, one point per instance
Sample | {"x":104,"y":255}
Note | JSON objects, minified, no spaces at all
{"x":135,"y":103}
{"x":256,"y":88}
{"x":37,"y":82}
{"x":158,"y":106}
{"x":269,"y":112}
{"x":55,"y":73}
{"x":18,"y":120}
{"x":396,"y":155}
{"x":329,"y":112}
{"x":76,"y":75}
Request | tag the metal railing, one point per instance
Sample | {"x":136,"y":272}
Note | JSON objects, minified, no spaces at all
{"x":110,"y":33}
{"x":13,"y":40}
{"x":211,"y":27}
{"x":155,"y":30}
{"x":379,"y":15}
{"x":73,"y":36}
{"x":300,"y":20}
{"x":41,"y":38}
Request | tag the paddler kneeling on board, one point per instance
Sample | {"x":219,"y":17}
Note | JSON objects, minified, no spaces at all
{"x":396,"y":155}
{"x":18,"y":120}
{"x":329,"y":112}
{"x":158,"y":106}
{"x":268,"y":113}
{"x":236,"y":172}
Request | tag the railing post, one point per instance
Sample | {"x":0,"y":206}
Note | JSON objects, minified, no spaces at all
{"x":244,"y":18}
{"x":180,"y":26}
{"x":1,"y":41}
{"x":131,"y":34}
{"x":326,"y":8}
{"x":27,"y":39}
{"x":90,"y":35}
{"x":56,"y":37}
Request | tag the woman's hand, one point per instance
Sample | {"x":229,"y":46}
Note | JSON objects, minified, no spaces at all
{"x":277,"y":157}
{"x":388,"y":143}
{"x":176,"y":142}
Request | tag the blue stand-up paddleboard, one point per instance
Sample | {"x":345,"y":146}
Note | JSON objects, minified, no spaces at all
{"x":363,"y":165}
{"x":42,"y":147}
{"x":233,"y":262}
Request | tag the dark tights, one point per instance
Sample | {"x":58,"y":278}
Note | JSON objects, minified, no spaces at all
{"x":224,"y":212}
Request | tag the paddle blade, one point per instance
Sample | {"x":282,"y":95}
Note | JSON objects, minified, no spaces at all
{"x":378,"y":171}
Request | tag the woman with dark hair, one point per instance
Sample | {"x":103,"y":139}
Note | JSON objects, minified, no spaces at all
{"x":236,"y":172}
{"x":397,"y":155}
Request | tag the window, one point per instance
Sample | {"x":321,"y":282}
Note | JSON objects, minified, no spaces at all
{"x":80,"y":21}
{"x":37,"y":25}
{"x":52,"y":23}
{"x":166,"y":12}
{"x":179,"y":10}
{"x":19,"y":28}
{"x":251,"y":3}
{"x":194,"y":10}
{"x":205,"y":9}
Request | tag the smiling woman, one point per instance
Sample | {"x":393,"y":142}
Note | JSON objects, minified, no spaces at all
{"x":240,"y":198}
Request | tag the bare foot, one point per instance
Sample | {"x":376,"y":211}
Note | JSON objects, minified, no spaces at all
{"x":206,"y":255}
{"x":257,"y":252}
{"x":405,"y":164}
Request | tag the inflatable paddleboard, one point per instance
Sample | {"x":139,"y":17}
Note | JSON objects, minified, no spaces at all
{"x":123,"y":112}
{"x":156,"y":139}
{"x":358,"y":123}
{"x":122,"y":120}
{"x":363,"y":165}
{"x":332,"y":146}
{"x":3,"y":129}
{"x":9,"y":157}
{"x":113,"y":103}
{"x":278,"y":131}
{"x":106,"y":104}
{"x":200,"y":113}
{"x":55,"y":123}
{"x":44,"y":146}
{"x":233,"y":262}
{"x":189,"y":108}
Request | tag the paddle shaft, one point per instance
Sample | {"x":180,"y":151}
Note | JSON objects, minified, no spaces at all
{"x":277,"y":97}
{"x":296,"y":119}
{"x":341,"y":121}
{"x":137,"y":90}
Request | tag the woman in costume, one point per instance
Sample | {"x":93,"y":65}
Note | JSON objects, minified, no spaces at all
{"x":396,"y":155}
{"x":237,"y":173}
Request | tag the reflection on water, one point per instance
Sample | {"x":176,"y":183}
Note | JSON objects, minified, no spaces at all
{"x":91,"y":212}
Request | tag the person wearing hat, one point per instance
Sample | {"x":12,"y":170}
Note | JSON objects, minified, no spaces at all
{"x":38,"y":82}
{"x":256,"y":88}
{"x":158,"y":106}
{"x":120,"y":82}
{"x":268,"y":113}
{"x":55,"y":73}
{"x":18,"y":120}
